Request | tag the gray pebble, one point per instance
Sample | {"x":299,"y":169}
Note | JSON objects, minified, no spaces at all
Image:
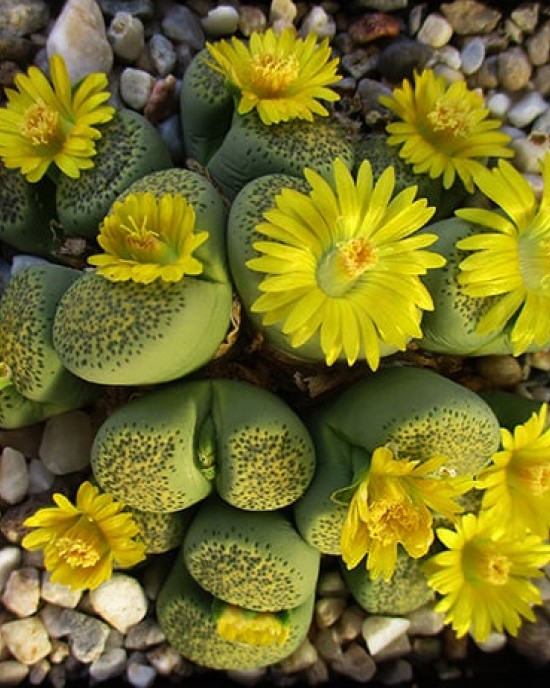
{"x":399,"y":60}
{"x":108,"y":665}
{"x":144,"y":9}
{"x":472,"y":55}
{"x":87,"y":636}
{"x":140,"y":675}
{"x":23,"y":17}
{"x":527,"y":109}
{"x":435,"y":31}
{"x":487,"y":76}
{"x":355,"y":663}
{"x":14,"y":476}
{"x":396,"y":673}
{"x":533,"y":640}
{"x":528,"y":151}
{"x":514,"y":69}
{"x":526,"y":16}
{"x":541,"y":80}
{"x":170,"y":131}
{"x":126,"y":35}
{"x":470,"y":18}
{"x":450,"y":56}
{"x":163,"y":54}
{"x":542,"y":123}
{"x":183,"y":26}
{"x":383,"y":5}
{"x":538,"y":46}
{"x":359,"y":62}
{"x":10,"y":559}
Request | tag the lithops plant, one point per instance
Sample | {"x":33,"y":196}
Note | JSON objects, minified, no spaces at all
{"x":130,"y":148}
{"x":218,"y":635}
{"x":250,"y":559}
{"x":161,"y":531}
{"x":27,"y":312}
{"x":406,"y":590}
{"x":159,"y":305}
{"x":172,"y":447}
{"x":418,"y":413}
{"x":206,"y":108}
{"x":27,"y":214}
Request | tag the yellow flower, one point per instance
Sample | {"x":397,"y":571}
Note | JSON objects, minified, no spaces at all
{"x":444,"y":129}
{"x":82,"y":543}
{"x":392,"y":505}
{"x":511,"y":262}
{"x":282,"y":76}
{"x":42,"y":125}
{"x":484,"y":575}
{"x":253,"y":628}
{"x":341,"y":264}
{"x":145,"y":238}
{"x":517,"y":484}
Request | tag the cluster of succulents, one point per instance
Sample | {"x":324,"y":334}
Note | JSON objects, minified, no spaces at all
{"x":325,"y":245}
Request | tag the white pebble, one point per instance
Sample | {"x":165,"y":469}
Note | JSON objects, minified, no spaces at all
{"x":22,"y":592}
{"x":40,"y":478}
{"x":221,"y":21}
{"x":135,"y":87}
{"x":449,"y":56}
{"x":66,"y":442}
{"x":12,"y":673}
{"x":121,"y":601}
{"x":380,"y":631}
{"x":140,"y":675}
{"x":397,"y":648}
{"x":494,"y":643}
{"x":436,"y":31}
{"x":10,"y":559}
{"x":328,"y":610}
{"x":27,"y":639}
{"x":498,"y":104}
{"x":527,"y":109}
{"x":472,"y":55}
{"x":61,"y":595}
{"x":319,"y":22}
{"x":425,"y":621}
{"x":126,"y":35}
{"x":14,"y":476}
{"x":529,"y":151}
{"x":282,"y":12}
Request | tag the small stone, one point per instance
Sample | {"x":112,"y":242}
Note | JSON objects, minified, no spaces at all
{"x":319,"y":22}
{"x":500,"y":371}
{"x":396,"y":673}
{"x":494,"y":643}
{"x":380,"y":631}
{"x":328,"y":610}
{"x":529,"y":150}
{"x":455,"y":649}
{"x":136,"y":87}
{"x":166,"y":660}
{"x":371,"y":27}
{"x":469,"y":17}
{"x":397,"y":648}
{"x":449,"y":56}
{"x":87,"y":635}
{"x":126,"y":35}
{"x":61,"y":595}
{"x":527,"y":109}
{"x":108,"y":665}
{"x":350,"y":623}
{"x":300,"y":659}
{"x":14,"y":476}
{"x":450,"y":75}
{"x":12,"y":673}
{"x":331,"y":584}
{"x":282,"y":12}
{"x":181,"y":25}
{"x":533,"y":640}
{"x":14,"y":48}
{"x":143,"y":9}
{"x":162,"y":99}
{"x":436,"y":31}
{"x":538,"y":46}
{"x":10,"y":559}
{"x":39,"y":672}
{"x":384,"y":5}
{"x":541,"y":80}
{"x":23,"y":17}
{"x":355,"y":663}
{"x":247,"y":677}
{"x":140,"y":675}
{"x":318,"y":673}
{"x":425,"y":621}
{"x":498,"y":104}
{"x":251,"y":20}
{"x":79,"y":36}
{"x":27,"y":639}
{"x":162,"y":54}
{"x":121,"y":601}
{"x":328,"y":644}
{"x":144,"y":635}
{"x":487,"y":75}
{"x":66,"y":442}
{"x":222,"y":20}
{"x":60,"y":651}
{"x":401,"y":58}
{"x":512,"y":32}
{"x":22,"y":592}
{"x":472,"y":55}
{"x":514,"y":69}
{"x":526,"y":16}
{"x":426,"y":649}
{"x":55,"y":620}
{"x":359,"y":62}
{"x":40,"y":478}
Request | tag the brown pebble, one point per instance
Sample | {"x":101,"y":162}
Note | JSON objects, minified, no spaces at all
{"x":372,"y":26}
{"x":161,"y":101}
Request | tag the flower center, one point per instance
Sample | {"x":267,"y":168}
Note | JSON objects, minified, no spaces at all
{"x":343,"y":266}
{"x":389,"y":520}
{"x":534,"y":264}
{"x":535,"y":478}
{"x":145,"y":245}
{"x":451,"y":118}
{"x":40,"y":124}
{"x":485,"y":564}
{"x":271,"y":75}
{"x":252,"y":628}
{"x":77,"y":552}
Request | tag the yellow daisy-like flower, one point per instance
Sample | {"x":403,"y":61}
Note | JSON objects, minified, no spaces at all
{"x":83,"y":542}
{"x":517,"y":483}
{"x":342,"y":263}
{"x":392,"y":506}
{"x":511,"y":261}
{"x":145,"y":238}
{"x":253,"y":628}
{"x":484,"y":575}
{"x":282,"y":76}
{"x":444,"y":130}
{"x":41,"y":125}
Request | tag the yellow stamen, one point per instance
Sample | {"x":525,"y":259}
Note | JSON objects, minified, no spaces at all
{"x":535,"y":478}
{"x":139,"y":236}
{"x":258,"y":629}
{"x":452,"y":119}
{"x":77,"y":553}
{"x":388,"y":520}
{"x":487,"y":565}
{"x":356,"y":255}
{"x":271,"y":75}
{"x":40,"y":124}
